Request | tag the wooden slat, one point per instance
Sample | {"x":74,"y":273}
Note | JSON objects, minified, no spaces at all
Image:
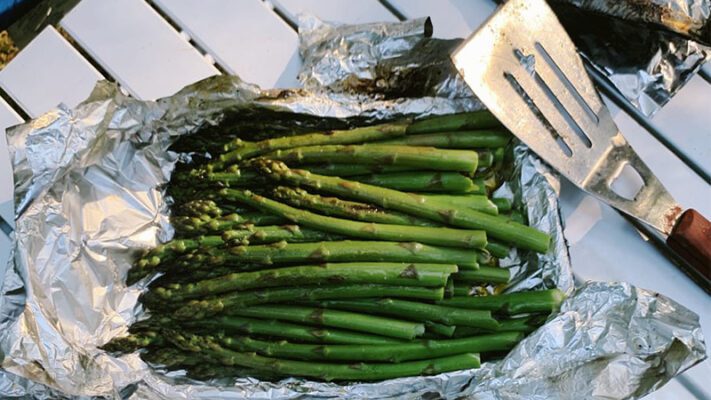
{"x":245,"y":37}
{"x":686,"y":121}
{"x":47,"y":72}
{"x":134,"y":44}
{"x":450,"y":18}
{"x":8,"y":117}
{"x":347,"y":11}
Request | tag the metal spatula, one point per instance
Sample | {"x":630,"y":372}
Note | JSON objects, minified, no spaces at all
{"x":525,"y":69}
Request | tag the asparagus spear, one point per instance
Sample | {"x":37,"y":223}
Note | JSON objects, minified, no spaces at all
{"x":347,"y":251}
{"x":473,"y":201}
{"x":238,"y":150}
{"x":336,"y":318}
{"x":406,"y":156}
{"x":456,"y":140}
{"x":133,"y":342}
{"x":333,"y":206}
{"x":393,"y":353}
{"x":425,"y":275}
{"x":512,"y":303}
{"x":428,"y":235}
{"x":233,"y":302}
{"x":440,"y":329}
{"x":521,"y":235}
{"x":502,"y":204}
{"x":258,"y":235}
{"x":174,"y":248}
{"x":497,"y":249}
{"x":327,"y":371}
{"x":173,"y":358}
{"x":281,"y":329}
{"x":358,"y":169}
{"x":421,"y":181}
{"x":198,"y":208}
{"x":526,"y":324}
{"x":416,"y":311}
{"x":188,"y":226}
{"x":484,"y":275}
{"x":454,"y":122}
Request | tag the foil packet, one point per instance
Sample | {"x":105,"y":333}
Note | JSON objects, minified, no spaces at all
{"x":89,"y":195}
{"x":665,"y":42}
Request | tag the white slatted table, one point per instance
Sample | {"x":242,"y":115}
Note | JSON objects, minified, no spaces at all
{"x":136,"y":46}
{"x":224,"y":28}
{"x":150,"y":58}
{"x":48,"y":72}
{"x":346,"y":11}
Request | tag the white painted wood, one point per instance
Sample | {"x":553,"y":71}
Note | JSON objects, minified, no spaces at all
{"x":686,"y":121}
{"x":450,"y":18}
{"x":346,"y":11}
{"x":47,"y":72}
{"x":134,"y":44}
{"x":227,"y":29}
{"x":8,"y":118}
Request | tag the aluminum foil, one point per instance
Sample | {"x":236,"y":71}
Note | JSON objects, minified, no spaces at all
{"x":89,"y":186}
{"x":648,"y":49}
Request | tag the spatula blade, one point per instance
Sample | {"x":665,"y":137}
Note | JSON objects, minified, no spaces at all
{"x":523,"y":66}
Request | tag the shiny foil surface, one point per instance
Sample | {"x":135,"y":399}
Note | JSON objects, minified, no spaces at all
{"x":89,"y":191}
{"x":648,"y":49}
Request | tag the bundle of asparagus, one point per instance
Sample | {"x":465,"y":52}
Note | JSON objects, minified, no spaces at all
{"x":358,"y":254}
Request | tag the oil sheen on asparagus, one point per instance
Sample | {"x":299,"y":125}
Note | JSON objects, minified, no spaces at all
{"x":358,"y":254}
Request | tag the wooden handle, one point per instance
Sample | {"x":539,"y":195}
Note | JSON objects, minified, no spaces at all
{"x":691,"y":239}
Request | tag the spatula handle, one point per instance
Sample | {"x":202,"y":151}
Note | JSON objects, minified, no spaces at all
{"x":691,"y":239}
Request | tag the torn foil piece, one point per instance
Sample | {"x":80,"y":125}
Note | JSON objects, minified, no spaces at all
{"x":647,"y":49}
{"x":89,"y":182}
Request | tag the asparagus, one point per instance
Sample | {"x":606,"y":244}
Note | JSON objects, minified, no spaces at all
{"x":258,"y":235}
{"x":377,"y":154}
{"x":327,"y":371}
{"x":348,"y":251}
{"x":333,"y":206}
{"x":486,"y":160}
{"x":416,"y":311}
{"x":198,"y":208}
{"x":520,"y":235}
{"x":421,"y":181}
{"x":484,"y":275}
{"x":454,"y":122}
{"x":238,"y":150}
{"x":173,"y":358}
{"x":231,"y":303}
{"x":473,"y":201}
{"x":358,"y":169}
{"x":428,"y":235}
{"x":502,"y":204}
{"x":189,"y":226}
{"x":336,"y":318}
{"x":393,"y":353}
{"x":497,"y":249}
{"x":440,"y":329}
{"x":456,"y":140}
{"x":511,"y":304}
{"x":174,"y":248}
{"x":133,"y":342}
{"x":286,"y":330}
{"x":526,"y":324}
{"x":425,"y":275}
